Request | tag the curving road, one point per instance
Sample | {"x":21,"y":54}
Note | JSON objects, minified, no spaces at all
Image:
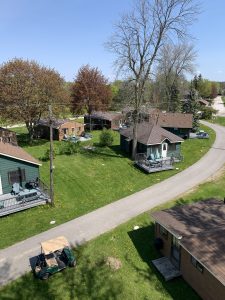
{"x":14,"y":260}
{"x":219,"y":106}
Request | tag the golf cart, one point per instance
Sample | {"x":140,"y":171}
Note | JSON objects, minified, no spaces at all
{"x":55,"y":256}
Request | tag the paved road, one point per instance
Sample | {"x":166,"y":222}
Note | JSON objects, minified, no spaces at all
{"x":219,"y":106}
{"x":14,"y":261}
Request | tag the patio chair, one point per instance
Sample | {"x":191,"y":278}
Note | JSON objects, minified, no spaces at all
{"x":16,"y":188}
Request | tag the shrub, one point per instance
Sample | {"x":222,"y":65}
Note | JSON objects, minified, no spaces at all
{"x":68,"y":148}
{"x":207,"y":113}
{"x":46,"y":156}
{"x":106,"y":137}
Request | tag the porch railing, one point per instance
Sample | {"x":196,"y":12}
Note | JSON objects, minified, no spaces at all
{"x":27,"y":198}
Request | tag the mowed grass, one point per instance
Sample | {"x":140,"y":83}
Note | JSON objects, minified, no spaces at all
{"x":136,"y":279}
{"x":86,"y":181}
{"x":219,"y":120}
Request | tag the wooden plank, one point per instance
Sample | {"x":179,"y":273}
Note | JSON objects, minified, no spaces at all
{"x":154,"y":169}
{"x":20,"y":207}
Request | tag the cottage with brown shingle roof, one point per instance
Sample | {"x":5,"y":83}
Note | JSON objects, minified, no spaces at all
{"x":177,"y":123}
{"x":192,"y":238}
{"x":103,"y":119}
{"x":152,"y":140}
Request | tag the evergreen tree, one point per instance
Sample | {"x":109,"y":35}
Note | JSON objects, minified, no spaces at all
{"x":191,"y":106}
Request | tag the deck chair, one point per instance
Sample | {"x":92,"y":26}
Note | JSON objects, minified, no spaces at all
{"x":16,"y":188}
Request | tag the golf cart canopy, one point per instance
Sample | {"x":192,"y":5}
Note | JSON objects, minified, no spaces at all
{"x":54,"y":244}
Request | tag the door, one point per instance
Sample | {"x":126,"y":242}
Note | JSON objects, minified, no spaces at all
{"x":1,"y":191}
{"x":175,"y":252}
{"x":164,"y":149}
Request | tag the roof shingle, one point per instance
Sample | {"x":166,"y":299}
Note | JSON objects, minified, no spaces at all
{"x":150,"y":134}
{"x":16,"y":152}
{"x":202,"y":228}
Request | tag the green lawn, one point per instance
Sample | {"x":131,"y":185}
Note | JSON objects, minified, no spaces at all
{"x":136,"y":279}
{"x":86,"y":181}
{"x":219,"y":120}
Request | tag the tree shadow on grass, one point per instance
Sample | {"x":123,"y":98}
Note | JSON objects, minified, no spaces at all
{"x":90,"y":279}
{"x":103,"y":152}
{"x":143,"y":240}
{"x":24,"y":141}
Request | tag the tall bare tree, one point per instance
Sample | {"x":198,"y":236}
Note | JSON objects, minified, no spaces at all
{"x":26,"y":90}
{"x":175,"y":61}
{"x":140,"y":34}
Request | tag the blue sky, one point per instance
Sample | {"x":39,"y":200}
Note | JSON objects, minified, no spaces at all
{"x":67,"y":34}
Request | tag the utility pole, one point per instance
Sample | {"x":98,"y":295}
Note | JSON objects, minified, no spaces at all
{"x":51,"y":157}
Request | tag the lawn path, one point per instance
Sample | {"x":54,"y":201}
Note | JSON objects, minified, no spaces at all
{"x":14,"y":260}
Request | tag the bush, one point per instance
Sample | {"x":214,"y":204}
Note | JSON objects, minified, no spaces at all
{"x":207,"y":113}
{"x":106,"y":137}
{"x":68,"y":148}
{"x":46,"y":156}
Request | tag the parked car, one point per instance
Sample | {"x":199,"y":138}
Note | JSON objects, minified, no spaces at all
{"x":55,"y":256}
{"x":72,"y":139}
{"x":87,"y":135}
{"x":202,"y":135}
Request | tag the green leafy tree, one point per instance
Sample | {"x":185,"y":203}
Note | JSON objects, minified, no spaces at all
{"x":90,"y":91}
{"x":208,"y":112}
{"x":26,"y":90}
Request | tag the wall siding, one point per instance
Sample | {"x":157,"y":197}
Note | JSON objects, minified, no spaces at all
{"x":205,"y":284}
{"x":8,"y":164}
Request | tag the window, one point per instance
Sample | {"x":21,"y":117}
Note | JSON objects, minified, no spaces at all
{"x":65,"y":130}
{"x":16,"y":176}
{"x":175,"y":243}
{"x":172,"y":147}
{"x":197,"y":264}
{"x":163,"y":231}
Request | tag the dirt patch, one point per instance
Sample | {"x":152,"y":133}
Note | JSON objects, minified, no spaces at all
{"x":113,"y":263}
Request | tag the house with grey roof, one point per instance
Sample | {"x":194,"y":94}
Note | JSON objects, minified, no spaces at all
{"x":178,"y":123}
{"x":152,"y":139}
{"x":191,"y":240}
{"x":156,"y":147}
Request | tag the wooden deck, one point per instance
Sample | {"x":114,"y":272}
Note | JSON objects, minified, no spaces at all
{"x":24,"y":200}
{"x":166,"y":268}
{"x":151,"y":169}
{"x":158,"y":165}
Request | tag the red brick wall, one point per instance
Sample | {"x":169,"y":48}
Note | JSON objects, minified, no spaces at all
{"x":78,"y":129}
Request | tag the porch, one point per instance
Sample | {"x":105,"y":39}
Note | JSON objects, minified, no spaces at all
{"x":25,"y":199}
{"x":166,"y":268}
{"x":152,"y":166}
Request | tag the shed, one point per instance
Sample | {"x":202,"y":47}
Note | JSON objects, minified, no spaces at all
{"x":100,"y":120}
{"x":61,"y":128}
